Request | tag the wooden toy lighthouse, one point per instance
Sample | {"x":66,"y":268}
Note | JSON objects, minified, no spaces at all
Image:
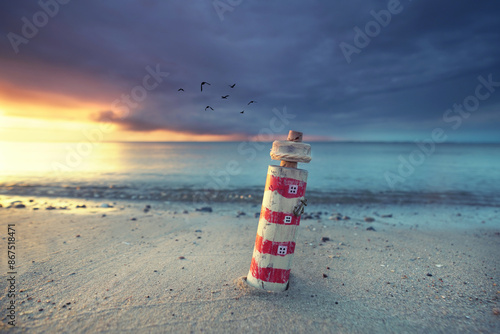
{"x":282,"y":206}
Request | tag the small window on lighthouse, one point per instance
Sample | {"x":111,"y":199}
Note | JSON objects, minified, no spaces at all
{"x":288,"y":219}
{"x":282,"y":250}
{"x":293,"y":189}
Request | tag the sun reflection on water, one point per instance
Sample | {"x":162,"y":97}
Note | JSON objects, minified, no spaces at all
{"x":25,"y":158}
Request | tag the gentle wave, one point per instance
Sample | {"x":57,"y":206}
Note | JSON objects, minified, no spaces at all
{"x":245,"y":195}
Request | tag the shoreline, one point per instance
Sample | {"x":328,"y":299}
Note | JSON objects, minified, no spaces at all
{"x":424,"y":216}
{"x":109,"y":269}
{"x":250,"y":195}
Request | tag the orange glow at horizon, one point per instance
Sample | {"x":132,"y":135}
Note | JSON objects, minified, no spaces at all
{"x":39,"y":116}
{"x":23,"y":129}
{"x":39,"y":104}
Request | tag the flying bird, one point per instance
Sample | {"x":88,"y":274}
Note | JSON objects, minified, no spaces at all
{"x":225,"y":96}
{"x":251,"y":102}
{"x":207,"y":107}
{"x":180,"y":90}
{"x":204,"y":83}
{"x":232,"y":86}
{"x":241,"y":112}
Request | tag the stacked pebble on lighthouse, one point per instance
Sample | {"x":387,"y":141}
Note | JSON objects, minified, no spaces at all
{"x":282,"y":205}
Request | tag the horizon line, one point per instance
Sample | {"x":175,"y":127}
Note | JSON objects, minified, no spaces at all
{"x":260,"y":141}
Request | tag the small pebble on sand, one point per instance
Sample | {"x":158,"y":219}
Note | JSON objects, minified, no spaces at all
{"x":205,"y":209}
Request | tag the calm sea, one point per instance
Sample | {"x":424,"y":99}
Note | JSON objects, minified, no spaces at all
{"x":463,"y":174}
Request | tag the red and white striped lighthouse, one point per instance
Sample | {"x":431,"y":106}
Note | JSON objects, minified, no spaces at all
{"x":282,"y":205}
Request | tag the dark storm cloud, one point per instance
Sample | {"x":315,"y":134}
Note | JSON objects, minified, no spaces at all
{"x":280,"y":54}
{"x":128,"y":123}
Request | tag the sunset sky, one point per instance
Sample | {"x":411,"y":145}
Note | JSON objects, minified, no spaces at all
{"x":339,"y":70}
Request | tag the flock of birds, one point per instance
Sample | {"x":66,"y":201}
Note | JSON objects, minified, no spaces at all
{"x":224,"y":97}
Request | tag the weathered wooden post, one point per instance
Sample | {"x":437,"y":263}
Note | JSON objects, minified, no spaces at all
{"x":282,"y":205}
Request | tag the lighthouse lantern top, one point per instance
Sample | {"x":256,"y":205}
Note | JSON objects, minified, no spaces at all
{"x":292,"y":150}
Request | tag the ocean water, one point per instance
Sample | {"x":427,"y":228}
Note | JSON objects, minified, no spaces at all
{"x":462,"y":174}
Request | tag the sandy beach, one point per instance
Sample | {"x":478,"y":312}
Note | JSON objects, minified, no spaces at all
{"x":165,"y":267}
{"x":153,"y":154}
